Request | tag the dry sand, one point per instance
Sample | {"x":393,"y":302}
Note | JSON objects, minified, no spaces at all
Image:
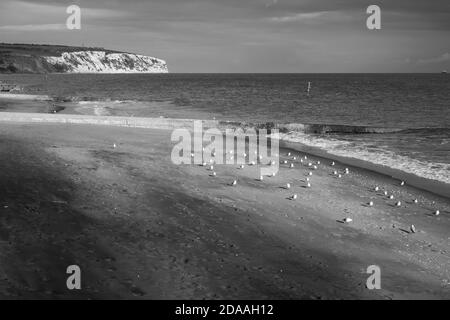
{"x":141,"y":227}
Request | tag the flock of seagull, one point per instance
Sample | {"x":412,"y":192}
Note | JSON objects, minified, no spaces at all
{"x":312,"y":165}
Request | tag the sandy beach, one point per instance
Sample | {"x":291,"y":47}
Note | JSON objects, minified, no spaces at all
{"x":141,"y":227}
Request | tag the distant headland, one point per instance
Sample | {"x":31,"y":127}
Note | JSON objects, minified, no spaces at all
{"x":37,"y":58}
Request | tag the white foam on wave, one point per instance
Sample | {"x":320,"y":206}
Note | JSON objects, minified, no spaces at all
{"x":380,"y":156}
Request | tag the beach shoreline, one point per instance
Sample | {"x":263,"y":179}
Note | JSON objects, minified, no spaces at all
{"x":143,"y":227}
{"x":43,"y":115}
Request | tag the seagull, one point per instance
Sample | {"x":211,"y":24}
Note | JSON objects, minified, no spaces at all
{"x":315,"y":167}
{"x":416,"y":201}
{"x":348,"y":220}
{"x":377,"y":188}
{"x":234,"y":183}
{"x":292,"y":165}
{"x":333,"y":164}
{"x":308,"y":185}
{"x":413,"y":228}
{"x":402,"y":183}
{"x":214,"y":174}
{"x":273,"y":174}
{"x":288,"y":186}
{"x":385,"y":193}
{"x":310,"y":173}
{"x":335,"y":173}
{"x":318,"y":162}
{"x":437,"y":212}
{"x":289,"y":154}
{"x":340,"y":176}
{"x":307,"y":179}
{"x":114,"y":146}
{"x":242,"y":166}
{"x":371,"y":204}
{"x":294,"y":197}
{"x":398,"y":204}
{"x":391,"y":197}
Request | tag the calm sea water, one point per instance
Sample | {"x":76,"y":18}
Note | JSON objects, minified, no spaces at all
{"x":418,"y":103}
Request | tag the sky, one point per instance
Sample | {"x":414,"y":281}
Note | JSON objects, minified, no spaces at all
{"x":304,"y":36}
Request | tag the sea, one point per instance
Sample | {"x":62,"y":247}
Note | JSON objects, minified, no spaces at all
{"x":417,"y":106}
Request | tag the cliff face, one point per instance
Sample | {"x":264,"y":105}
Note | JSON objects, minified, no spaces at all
{"x":61,"y":59}
{"x":102,"y":62}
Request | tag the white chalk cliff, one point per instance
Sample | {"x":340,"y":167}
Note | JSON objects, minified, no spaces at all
{"x":102,"y":62}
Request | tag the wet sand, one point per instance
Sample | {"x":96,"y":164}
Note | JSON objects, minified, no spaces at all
{"x":142,"y":227}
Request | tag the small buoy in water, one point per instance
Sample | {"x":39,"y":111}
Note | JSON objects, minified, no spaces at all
{"x":413,"y":228}
{"x":371,"y":204}
{"x":416,"y":201}
{"x":377,"y":189}
{"x":294,"y":197}
{"x":398,"y":204}
{"x":348,"y":220}
{"x":288,"y":186}
{"x":437,"y":212}
{"x":234,"y":183}
{"x":402,"y":183}
{"x":391,"y":197}
{"x":291,"y":166}
{"x":333,"y":164}
{"x":114,"y":146}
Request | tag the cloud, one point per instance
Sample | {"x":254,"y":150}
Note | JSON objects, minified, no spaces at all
{"x":34,"y":27}
{"x":442,"y":58}
{"x":299,"y":17}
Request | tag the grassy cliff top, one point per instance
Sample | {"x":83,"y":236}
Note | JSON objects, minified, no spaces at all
{"x":44,"y":49}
